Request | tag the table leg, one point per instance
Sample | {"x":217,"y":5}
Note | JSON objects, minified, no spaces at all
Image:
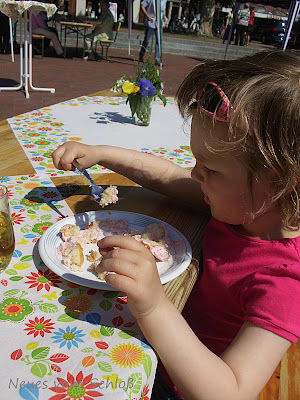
{"x":84,"y":34}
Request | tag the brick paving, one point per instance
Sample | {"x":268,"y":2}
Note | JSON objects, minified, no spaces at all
{"x":73,"y":77}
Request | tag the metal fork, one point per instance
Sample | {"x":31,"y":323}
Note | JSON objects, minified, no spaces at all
{"x":96,"y":190}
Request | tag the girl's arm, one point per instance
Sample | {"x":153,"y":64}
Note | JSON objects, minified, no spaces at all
{"x":241,"y":371}
{"x":151,"y":172}
{"x":239,"y":374}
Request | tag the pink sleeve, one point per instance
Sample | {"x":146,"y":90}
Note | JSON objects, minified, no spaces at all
{"x":40,"y":19}
{"x":271,"y":300}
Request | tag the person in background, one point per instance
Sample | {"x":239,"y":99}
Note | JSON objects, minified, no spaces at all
{"x":242,"y":25}
{"x":40,"y":27}
{"x":150,"y":22}
{"x":103,"y":30}
{"x":250,"y":26}
{"x":244,"y":310}
{"x":228,"y":24}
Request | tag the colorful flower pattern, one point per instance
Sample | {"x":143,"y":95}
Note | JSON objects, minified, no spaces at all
{"x":53,"y":327}
{"x":39,"y":135}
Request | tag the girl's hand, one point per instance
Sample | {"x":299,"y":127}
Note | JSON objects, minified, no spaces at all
{"x":134,"y":272}
{"x":64,"y":155}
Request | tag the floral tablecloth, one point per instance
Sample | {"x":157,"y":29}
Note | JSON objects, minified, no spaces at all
{"x":14,"y":9}
{"x":59,"y":340}
{"x":101,"y":120}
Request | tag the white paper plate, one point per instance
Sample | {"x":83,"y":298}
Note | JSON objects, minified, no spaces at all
{"x":180,"y":248}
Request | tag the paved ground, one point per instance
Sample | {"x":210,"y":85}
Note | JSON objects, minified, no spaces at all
{"x":73,"y":77}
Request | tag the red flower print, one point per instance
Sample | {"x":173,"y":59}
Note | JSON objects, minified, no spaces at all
{"x":78,"y":388}
{"x":4,"y":282}
{"x":145,"y":391}
{"x":28,"y":146}
{"x":42,"y":280}
{"x":39,"y":326}
{"x":37,"y":158}
{"x":9,"y":193}
{"x":17,"y":218}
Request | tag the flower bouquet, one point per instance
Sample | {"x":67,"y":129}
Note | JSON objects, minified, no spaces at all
{"x":141,"y":91}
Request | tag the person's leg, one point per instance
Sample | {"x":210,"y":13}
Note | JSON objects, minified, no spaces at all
{"x":242,"y":35}
{"x":237,"y":35}
{"x":148,"y":33}
{"x":52,"y":36}
{"x":88,"y":42}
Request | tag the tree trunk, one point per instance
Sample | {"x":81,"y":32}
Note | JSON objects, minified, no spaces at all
{"x":207,"y":10}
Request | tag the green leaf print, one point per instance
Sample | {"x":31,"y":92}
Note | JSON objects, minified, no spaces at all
{"x":136,"y":380}
{"x":66,"y":318}
{"x":11,"y":292}
{"x":101,"y":354}
{"x":66,"y":292}
{"x":11,"y":272}
{"x":26,"y":258}
{"x":39,"y":369}
{"x":106,"y":330}
{"x":46,"y":217}
{"x":48,"y":308}
{"x":105,"y":366}
{"x":127,"y":334}
{"x":147,"y":364}
{"x":87,"y":350}
{"x":40,"y":352}
{"x":105,"y":305}
{"x":16,"y":278}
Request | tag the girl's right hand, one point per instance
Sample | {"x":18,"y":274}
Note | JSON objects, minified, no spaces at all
{"x":64,"y":155}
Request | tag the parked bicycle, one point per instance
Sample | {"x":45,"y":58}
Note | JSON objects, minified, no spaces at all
{"x":183,"y":25}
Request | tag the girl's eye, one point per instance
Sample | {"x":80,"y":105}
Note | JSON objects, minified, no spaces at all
{"x":208,"y":171}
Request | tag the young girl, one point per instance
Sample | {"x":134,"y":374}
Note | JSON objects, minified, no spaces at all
{"x":244,"y":310}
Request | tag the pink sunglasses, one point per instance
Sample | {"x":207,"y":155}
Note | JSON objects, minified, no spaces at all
{"x":216,"y":104}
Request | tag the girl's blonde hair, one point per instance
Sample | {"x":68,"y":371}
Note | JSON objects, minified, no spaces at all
{"x":264,"y":90}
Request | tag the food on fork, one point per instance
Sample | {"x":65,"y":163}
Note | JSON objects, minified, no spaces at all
{"x":109,"y":196}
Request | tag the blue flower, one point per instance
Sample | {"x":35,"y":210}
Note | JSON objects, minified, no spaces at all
{"x":146,"y":87}
{"x":4,"y":179}
{"x":68,"y":337}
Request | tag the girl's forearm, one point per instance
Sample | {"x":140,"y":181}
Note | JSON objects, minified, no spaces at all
{"x":196,"y":371}
{"x":151,"y":172}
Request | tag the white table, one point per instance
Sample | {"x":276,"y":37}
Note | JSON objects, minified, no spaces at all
{"x":23,"y":11}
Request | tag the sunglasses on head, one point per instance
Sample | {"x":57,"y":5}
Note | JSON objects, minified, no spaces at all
{"x":213,"y":101}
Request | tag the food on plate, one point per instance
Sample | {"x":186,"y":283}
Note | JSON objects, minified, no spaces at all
{"x":72,"y":255}
{"x":109,"y":196}
{"x":155,"y":237}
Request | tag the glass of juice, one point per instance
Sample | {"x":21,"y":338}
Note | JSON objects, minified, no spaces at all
{"x":7,"y":237}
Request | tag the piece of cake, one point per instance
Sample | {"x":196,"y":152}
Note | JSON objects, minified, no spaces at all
{"x":71,"y":255}
{"x":109,"y":196}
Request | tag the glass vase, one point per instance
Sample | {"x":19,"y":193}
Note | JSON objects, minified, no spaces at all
{"x":143,"y":111}
{"x":7,"y":237}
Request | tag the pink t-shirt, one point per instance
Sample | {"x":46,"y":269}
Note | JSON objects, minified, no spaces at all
{"x":244,"y":279}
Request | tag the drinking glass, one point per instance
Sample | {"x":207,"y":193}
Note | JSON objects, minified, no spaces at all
{"x":7,"y":237}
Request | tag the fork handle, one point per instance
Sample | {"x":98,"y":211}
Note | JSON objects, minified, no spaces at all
{"x":83,"y":170}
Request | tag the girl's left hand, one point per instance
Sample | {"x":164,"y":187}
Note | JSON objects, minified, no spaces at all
{"x":134,"y":272}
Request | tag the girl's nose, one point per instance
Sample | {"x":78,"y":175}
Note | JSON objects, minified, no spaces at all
{"x":197,"y":174}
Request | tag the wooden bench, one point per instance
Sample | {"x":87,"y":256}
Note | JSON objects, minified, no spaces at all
{"x":105,"y":44}
{"x":36,"y":36}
